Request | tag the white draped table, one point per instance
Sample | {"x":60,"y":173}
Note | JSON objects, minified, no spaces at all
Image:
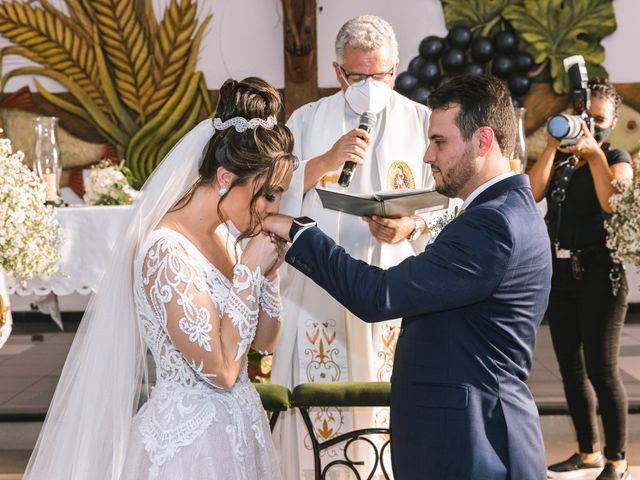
{"x":89,"y":233}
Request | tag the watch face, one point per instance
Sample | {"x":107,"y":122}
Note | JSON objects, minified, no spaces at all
{"x":304,"y":221}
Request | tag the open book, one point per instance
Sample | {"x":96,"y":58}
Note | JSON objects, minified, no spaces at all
{"x":388,"y":203}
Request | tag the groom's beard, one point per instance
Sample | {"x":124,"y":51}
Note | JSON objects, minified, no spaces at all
{"x":457,"y":175}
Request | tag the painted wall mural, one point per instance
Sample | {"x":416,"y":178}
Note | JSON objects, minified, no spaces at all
{"x":131,"y":77}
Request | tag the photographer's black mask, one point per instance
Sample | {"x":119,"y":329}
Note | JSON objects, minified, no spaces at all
{"x":601,"y":134}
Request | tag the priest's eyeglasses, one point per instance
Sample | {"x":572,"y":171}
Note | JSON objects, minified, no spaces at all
{"x":358,"y":79}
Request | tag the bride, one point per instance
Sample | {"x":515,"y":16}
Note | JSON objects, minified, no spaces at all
{"x":180,"y":287}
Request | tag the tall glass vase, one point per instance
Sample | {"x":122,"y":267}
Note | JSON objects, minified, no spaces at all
{"x":518,"y":158}
{"x":46,"y":156}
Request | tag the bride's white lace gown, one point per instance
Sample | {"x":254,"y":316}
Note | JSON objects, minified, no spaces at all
{"x":190,"y":428}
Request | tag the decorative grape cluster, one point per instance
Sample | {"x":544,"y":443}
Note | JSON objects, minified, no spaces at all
{"x":442,"y":58}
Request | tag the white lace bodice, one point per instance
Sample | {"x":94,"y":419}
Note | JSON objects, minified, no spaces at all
{"x":181,"y":299}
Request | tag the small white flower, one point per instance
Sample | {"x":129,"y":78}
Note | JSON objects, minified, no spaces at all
{"x":623,"y":228}
{"x":29,"y":233}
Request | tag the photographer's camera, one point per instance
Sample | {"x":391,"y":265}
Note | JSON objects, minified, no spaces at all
{"x":569,"y":127}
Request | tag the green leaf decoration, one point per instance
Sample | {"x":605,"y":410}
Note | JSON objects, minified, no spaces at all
{"x":473,"y":13}
{"x":556,"y":29}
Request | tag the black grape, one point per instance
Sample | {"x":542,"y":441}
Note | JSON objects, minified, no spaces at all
{"x":420,"y":95}
{"x":453,"y":60}
{"x":501,"y":66}
{"x":429,"y":73}
{"x":406,"y":82}
{"x":516,"y":102}
{"x":482,"y":50}
{"x":505,"y":42}
{"x":459,"y":37}
{"x":519,"y":84}
{"x":522,"y":62}
{"x":474,"y":69}
{"x":416,"y":64}
{"x":431,"y":47}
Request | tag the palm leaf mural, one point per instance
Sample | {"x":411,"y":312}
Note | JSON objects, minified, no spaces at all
{"x":127,"y":50}
{"x":47,"y":39}
{"x":132,"y":77}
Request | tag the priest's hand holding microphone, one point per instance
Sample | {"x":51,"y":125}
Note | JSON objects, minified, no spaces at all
{"x":387,"y":230}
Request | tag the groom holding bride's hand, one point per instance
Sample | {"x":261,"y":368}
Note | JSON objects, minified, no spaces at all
{"x":471,"y":302}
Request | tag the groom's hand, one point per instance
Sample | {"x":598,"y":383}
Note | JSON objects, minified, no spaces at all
{"x":278,"y":224}
{"x":390,"y":230}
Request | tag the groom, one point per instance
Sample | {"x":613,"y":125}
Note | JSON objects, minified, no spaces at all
{"x":471,"y":302}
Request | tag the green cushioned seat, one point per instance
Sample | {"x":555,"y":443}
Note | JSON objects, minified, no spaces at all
{"x":341,"y":394}
{"x":275,"y":398}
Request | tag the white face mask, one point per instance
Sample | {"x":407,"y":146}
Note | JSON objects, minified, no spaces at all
{"x":371,"y":97}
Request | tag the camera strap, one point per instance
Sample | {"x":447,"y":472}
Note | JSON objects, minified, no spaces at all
{"x":558,"y":196}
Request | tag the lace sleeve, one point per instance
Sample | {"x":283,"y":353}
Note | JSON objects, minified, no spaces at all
{"x":212,"y":341}
{"x":270,"y":302}
{"x":242,"y":307}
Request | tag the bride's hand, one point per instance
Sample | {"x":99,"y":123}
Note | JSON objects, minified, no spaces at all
{"x":281,"y":247}
{"x":262,"y":251}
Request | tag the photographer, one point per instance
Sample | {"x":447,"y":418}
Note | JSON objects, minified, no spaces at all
{"x":585,"y":315}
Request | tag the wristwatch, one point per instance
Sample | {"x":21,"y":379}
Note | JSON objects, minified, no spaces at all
{"x":300,"y":223}
{"x":417,"y":231}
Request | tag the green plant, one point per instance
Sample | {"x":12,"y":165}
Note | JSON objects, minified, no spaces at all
{"x":131,"y":76}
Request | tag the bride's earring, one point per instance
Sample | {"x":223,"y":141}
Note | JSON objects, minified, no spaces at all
{"x":223,"y":190}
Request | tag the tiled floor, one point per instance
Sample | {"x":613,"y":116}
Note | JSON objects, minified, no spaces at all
{"x":29,"y":371}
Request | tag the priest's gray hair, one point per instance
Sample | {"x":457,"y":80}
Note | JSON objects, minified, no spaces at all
{"x":368,"y":33}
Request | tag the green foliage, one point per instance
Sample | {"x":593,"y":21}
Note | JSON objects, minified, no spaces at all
{"x":473,"y":13}
{"x":556,"y":29}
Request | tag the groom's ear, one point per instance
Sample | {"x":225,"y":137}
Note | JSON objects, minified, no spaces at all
{"x":483,"y":140}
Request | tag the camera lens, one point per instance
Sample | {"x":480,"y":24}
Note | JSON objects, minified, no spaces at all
{"x":565,"y":126}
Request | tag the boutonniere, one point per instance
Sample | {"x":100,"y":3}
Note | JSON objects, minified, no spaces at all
{"x":437,"y":224}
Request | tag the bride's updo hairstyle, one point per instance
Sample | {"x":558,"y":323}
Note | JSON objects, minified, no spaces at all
{"x":253,"y":155}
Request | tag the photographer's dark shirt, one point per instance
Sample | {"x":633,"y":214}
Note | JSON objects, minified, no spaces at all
{"x":582,"y":219}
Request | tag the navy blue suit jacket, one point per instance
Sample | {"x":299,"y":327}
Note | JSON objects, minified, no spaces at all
{"x":471,"y":304}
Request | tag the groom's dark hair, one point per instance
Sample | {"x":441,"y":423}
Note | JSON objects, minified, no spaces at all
{"x":484,"y":101}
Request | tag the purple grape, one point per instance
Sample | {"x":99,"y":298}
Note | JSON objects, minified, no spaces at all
{"x":505,"y":42}
{"x":420,"y":95}
{"x":406,"y":82}
{"x":453,"y":60}
{"x":501,"y":66}
{"x":474,"y":69}
{"x":431,"y":47}
{"x":429,"y":73}
{"x":522,"y":62}
{"x":482,"y":50}
{"x":519,"y":85}
{"x":416,"y":64}
{"x":516,"y":102}
{"x":459,"y":37}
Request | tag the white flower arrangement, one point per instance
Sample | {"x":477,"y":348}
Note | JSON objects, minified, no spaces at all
{"x":108,"y":184}
{"x":623,"y":228}
{"x":29,"y":233}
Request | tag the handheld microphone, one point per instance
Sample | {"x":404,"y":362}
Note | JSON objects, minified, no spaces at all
{"x":367,"y":121}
